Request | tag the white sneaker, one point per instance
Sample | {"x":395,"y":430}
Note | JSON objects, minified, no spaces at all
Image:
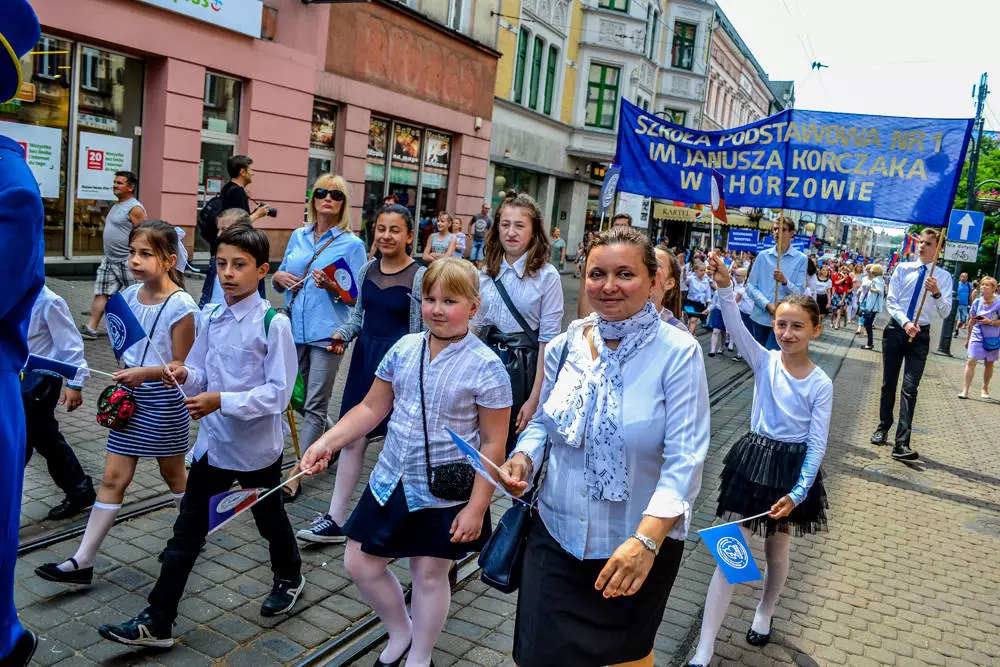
{"x":963,"y":395}
{"x":985,"y":396}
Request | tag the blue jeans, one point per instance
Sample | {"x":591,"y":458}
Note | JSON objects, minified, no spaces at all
{"x":477,"y":251}
{"x":963,"y":314}
{"x":764,"y":335}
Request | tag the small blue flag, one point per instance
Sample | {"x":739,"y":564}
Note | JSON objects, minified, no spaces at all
{"x":608,"y":189}
{"x":46,"y":366}
{"x":124,"y":329}
{"x":731,"y":552}
{"x":476,"y":459}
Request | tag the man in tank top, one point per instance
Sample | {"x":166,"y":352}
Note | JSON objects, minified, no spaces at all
{"x":113,"y":273}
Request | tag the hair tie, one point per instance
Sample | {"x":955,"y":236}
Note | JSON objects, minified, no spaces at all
{"x":182,"y":253}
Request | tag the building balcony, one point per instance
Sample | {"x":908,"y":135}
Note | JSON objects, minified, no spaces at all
{"x":592,"y":144}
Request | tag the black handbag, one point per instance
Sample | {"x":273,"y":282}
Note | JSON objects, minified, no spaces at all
{"x":518,"y":352}
{"x":502,"y":557}
{"x":448,"y":481}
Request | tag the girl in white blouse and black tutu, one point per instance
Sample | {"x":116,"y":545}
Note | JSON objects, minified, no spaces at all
{"x":775,"y":467}
{"x":423,"y":502}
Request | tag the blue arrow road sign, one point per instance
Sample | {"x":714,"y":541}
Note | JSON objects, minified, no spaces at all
{"x":966,"y":226}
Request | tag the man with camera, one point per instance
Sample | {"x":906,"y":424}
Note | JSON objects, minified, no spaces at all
{"x":233,"y":195}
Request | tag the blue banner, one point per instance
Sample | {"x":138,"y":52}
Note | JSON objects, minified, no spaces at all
{"x":801,"y":242}
{"x":608,"y":188}
{"x":731,"y":551}
{"x":742,"y":239}
{"x":903,"y":169}
{"x":124,"y":330}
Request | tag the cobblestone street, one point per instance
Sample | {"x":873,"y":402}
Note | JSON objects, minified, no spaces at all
{"x":906,"y":575}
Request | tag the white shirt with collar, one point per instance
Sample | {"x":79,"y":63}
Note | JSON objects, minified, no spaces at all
{"x":538,"y":298}
{"x":53,"y":334}
{"x":254,"y":374}
{"x":901,"y":292}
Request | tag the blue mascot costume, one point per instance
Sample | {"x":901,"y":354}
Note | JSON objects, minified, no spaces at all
{"x":22,"y":276}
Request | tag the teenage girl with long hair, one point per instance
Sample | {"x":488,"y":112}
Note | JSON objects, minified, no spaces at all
{"x":159,"y":427}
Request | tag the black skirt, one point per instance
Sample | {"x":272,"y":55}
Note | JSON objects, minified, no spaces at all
{"x":393,"y":531}
{"x":756,"y":473}
{"x":563,"y":620}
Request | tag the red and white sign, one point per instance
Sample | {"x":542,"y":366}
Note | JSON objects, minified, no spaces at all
{"x":95,"y":160}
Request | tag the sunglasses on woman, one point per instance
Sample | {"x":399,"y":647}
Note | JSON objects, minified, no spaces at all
{"x":322,"y":193}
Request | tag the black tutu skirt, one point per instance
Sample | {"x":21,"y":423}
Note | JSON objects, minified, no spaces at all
{"x":756,"y":473}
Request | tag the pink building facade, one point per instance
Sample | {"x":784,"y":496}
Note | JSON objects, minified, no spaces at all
{"x":172,"y":93}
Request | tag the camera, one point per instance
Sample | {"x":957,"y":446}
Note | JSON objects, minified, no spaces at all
{"x":271,"y":211}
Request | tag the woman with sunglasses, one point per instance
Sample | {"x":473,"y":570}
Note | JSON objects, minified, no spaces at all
{"x":312,"y":302}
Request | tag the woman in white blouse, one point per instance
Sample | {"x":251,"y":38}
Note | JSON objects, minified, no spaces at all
{"x":628,"y":420}
{"x":516,"y":268}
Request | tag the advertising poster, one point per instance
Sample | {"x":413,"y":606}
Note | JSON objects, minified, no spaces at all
{"x":101,"y":156}
{"x":406,"y":146}
{"x":43,"y":152}
{"x":377,"y":129}
{"x":636,"y":206}
{"x":438,"y":151}
{"x":324,"y":127}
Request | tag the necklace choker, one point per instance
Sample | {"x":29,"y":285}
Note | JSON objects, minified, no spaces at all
{"x":453,"y":339}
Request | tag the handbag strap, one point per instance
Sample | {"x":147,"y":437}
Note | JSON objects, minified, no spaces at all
{"x":423,"y":412}
{"x":543,"y":466}
{"x":317,"y":253}
{"x":514,"y":311}
{"x":152,"y":329}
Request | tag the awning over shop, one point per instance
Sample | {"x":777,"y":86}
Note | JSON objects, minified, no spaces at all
{"x":664,"y":211}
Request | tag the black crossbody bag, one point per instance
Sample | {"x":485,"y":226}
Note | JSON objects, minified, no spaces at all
{"x":448,"y":481}
{"x":503,"y":555}
{"x":518,"y":352}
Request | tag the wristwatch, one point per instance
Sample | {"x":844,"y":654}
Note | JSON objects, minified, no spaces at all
{"x":647,"y":542}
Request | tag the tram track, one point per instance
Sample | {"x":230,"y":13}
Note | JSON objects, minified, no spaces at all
{"x":365,"y":634}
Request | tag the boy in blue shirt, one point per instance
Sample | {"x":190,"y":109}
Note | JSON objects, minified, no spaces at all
{"x":963,"y":292}
{"x":239,"y":375}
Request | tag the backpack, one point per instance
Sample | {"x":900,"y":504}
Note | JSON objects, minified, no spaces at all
{"x":208,"y":224}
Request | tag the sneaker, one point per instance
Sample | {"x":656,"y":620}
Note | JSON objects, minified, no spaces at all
{"x":138,"y":631}
{"x":324,"y":530}
{"x":963,"y":395}
{"x":985,"y":396}
{"x":87,"y":333}
{"x":283,"y":595}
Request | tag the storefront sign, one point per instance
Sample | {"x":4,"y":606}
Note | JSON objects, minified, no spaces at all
{"x":242,"y":16}
{"x":43,"y":152}
{"x":101,"y":156}
{"x":377,"y":129}
{"x":104,"y":123}
{"x":438,"y":150}
{"x":406,"y":146}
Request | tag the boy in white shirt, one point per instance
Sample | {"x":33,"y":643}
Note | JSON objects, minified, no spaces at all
{"x":53,"y":334}
{"x":239,"y":375}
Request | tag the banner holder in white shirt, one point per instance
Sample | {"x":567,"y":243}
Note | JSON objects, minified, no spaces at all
{"x":923,"y":297}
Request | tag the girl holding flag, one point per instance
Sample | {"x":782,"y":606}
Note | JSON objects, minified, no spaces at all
{"x":775,"y":467}
{"x":421,"y":502}
{"x":159,"y":427}
{"x":312,"y":301}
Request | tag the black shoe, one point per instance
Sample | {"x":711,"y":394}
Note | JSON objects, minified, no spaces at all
{"x":904,"y":453}
{"x":283,"y":595}
{"x":879,"y":436}
{"x":138,"y":631}
{"x":755,"y":638}
{"x":23,"y":649}
{"x":51,"y":572}
{"x":398,"y":661}
{"x":74,"y":504}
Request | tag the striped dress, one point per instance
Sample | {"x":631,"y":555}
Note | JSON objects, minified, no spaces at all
{"x":160,"y":425}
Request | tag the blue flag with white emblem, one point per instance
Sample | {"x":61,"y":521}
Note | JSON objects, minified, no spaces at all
{"x":124,"y":330}
{"x":47,"y":366}
{"x":731,"y":552}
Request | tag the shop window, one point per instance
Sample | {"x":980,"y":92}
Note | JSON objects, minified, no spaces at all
{"x":378,"y":138}
{"x":536,"y":71}
{"x":682,"y":55}
{"x":222,"y":104}
{"x":617,"y":5}
{"x":322,"y":136}
{"x":551,"y":72}
{"x":109,"y":109}
{"x":675,"y":116}
{"x":39,"y":119}
{"x":519,"y":66}
{"x":434,"y":181}
{"x":602,"y":96}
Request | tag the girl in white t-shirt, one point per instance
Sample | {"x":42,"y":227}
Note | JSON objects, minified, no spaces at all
{"x":159,"y":427}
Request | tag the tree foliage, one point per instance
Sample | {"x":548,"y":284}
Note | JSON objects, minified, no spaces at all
{"x":989,"y":168}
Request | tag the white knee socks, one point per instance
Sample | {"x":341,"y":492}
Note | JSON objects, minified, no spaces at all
{"x":177,"y":497}
{"x":349,"y":465}
{"x":429,"y":605}
{"x":720,"y":592}
{"x":715,"y":340}
{"x":776,"y":552}
{"x":102,"y":517}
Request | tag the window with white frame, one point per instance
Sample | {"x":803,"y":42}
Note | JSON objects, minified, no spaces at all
{"x":458,"y":15}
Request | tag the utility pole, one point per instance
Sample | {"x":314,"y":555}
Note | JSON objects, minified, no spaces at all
{"x":944,"y":343}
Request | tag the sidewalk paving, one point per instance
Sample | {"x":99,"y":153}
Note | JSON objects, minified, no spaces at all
{"x":882,"y":587}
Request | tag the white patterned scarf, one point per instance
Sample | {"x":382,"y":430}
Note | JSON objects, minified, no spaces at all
{"x":591,"y":414}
